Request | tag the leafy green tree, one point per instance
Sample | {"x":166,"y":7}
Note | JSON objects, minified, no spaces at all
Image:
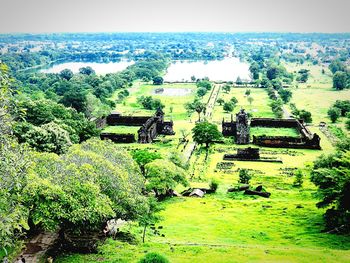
{"x":331,"y":175}
{"x":150,"y":216}
{"x":227,"y":88}
{"x":153,"y":257}
{"x":285,"y":94}
{"x":337,"y":65}
{"x":298,"y":180}
{"x":305,"y":116}
{"x":75,"y":99}
{"x":87,"y":71}
{"x":228,"y":106}
{"x":254,"y":69}
{"x":343,"y":105}
{"x":205,"y":132}
{"x":158,"y":80}
{"x":204,"y":84}
{"x":66,"y":74}
{"x":195,"y":106}
{"x":201,"y":92}
{"x":334,"y":114}
{"x":247,"y":92}
{"x":340,"y":80}
{"x":163,"y":176}
{"x":244,"y":176}
{"x":250,"y":100}
{"x":143,"y":157}
{"x":234,"y":100}
{"x":220,"y":101}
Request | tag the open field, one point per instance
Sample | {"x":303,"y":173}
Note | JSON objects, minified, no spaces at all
{"x":224,"y":227}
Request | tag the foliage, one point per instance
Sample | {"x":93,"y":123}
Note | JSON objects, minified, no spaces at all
{"x":91,"y":183}
{"x":228,"y":106}
{"x":150,"y":103}
{"x":227,"y":88}
{"x":213,"y":185}
{"x":162,"y":176}
{"x":331,"y":175}
{"x":150,"y":216}
{"x":244,"y":176}
{"x":195,"y":106}
{"x":337,"y":65}
{"x":153,"y":257}
{"x":204,"y":84}
{"x":285,"y":94}
{"x":298,"y":181}
{"x":343,"y":106}
{"x":334,"y":114}
{"x":158,"y":80}
{"x":220,"y":101}
{"x":201,"y":91}
{"x":340,"y":81}
{"x":205,"y":132}
{"x":143,"y":157}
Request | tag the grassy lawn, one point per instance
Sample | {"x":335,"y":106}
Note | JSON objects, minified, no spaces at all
{"x":122,"y":129}
{"x":257,"y":131}
{"x":258,"y":108}
{"x":233,"y":227}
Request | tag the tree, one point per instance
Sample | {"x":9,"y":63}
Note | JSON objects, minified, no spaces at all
{"x":244,"y":176}
{"x":234,"y":100}
{"x":193,"y":78}
{"x":82,"y":189}
{"x":298,"y":181}
{"x":305,"y":116}
{"x":247,"y":92}
{"x":331,"y":175}
{"x":66,"y":74}
{"x":75,"y":98}
{"x":343,"y":105}
{"x":228,"y":106}
{"x":227,"y":88}
{"x":220,"y":101}
{"x":239,"y":81}
{"x":150,"y":216}
{"x":163,"y":176}
{"x":143,"y":157}
{"x":150,"y":103}
{"x":339,"y":80}
{"x":254,"y":69}
{"x":153,"y":257}
{"x":250,"y":99}
{"x":158,"y":80}
{"x":334,"y":114}
{"x":49,"y":137}
{"x":205,"y":132}
{"x":285,"y":94}
{"x":87,"y":71}
{"x":204,"y":84}
{"x":195,"y":106}
{"x":201,"y":92}
{"x":337,"y":65}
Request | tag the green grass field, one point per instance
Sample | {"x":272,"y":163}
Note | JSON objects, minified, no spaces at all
{"x":223,"y":227}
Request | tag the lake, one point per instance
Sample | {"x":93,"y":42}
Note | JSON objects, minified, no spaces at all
{"x":227,"y":69}
{"x":100,"y":68}
{"x":172,"y":92}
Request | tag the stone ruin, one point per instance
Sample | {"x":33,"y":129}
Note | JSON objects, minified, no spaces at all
{"x":151,"y":127}
{"x":239,"y":129}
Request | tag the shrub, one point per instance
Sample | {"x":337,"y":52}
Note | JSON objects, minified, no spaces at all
{"x":298,"y":181}
{"x":244,"y":176}
{"x":153,"y":257}
{"x":214,"y":184}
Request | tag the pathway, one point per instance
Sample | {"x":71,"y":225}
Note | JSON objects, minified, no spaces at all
{"x":208,"y":115}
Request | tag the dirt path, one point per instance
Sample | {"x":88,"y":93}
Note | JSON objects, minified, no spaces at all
{"x":208,"y":115}
{"x":36,"y":247}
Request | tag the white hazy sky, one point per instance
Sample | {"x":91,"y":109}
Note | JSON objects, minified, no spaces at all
{"x":174,"y":15}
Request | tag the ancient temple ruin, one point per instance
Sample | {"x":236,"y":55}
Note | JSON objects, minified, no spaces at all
{"x":150,"y":127}
{"x":239,"y":129}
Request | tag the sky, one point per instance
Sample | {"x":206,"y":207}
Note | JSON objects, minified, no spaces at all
{"x":45,"y":16}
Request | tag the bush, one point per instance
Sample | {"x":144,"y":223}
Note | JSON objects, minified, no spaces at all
{"x":214,"y":184}
{"x":244,"y":176}
{"x":153,"y":257}
{"x":298,"y":181}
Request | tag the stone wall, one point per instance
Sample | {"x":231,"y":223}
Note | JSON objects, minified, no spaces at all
{"x":113,"y":120}
{"x":119,"y":138}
